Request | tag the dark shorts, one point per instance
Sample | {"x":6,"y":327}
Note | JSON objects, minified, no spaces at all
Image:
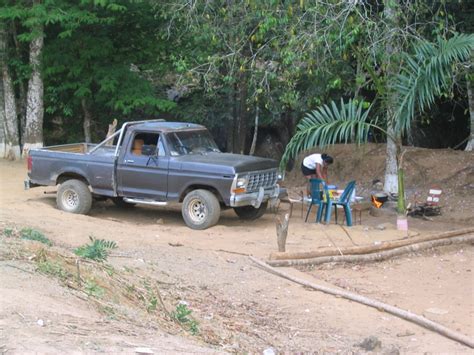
{"x":307,"y":171}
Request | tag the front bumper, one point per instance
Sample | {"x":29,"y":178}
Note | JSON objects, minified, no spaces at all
{"x":254,"y":198}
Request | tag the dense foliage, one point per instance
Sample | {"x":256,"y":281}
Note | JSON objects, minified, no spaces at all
{"x":230,"y":65}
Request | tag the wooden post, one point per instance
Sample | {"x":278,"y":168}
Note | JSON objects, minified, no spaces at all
{"x":111,"y":131}
{"x":282,"y":231}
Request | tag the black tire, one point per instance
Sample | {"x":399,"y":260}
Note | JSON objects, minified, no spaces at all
{"x":74,"y":196}
{"x":251,"y":213}
{"x":200,"y":209}
{"x":119,"y":202}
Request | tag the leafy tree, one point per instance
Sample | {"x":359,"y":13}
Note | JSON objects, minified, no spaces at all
{"x":264,"y":57}
{"x":93,"y":56}
{"x":101,"y":68}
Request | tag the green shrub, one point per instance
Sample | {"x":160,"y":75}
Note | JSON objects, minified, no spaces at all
{"x":32,"y":234}
{"x":8,"y":232}
{"x":181,"y":316}
{"x":98,"y":249}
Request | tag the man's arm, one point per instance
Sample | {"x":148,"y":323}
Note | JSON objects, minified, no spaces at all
{"x":319,"y":172}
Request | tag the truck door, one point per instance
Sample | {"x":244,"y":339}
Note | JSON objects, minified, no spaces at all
{"x":142,"y":171}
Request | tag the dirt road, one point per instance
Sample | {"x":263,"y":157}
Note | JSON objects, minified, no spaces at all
{"x":248,"y":309}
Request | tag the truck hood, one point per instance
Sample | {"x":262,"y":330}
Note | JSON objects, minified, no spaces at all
{"x":225,"y":163}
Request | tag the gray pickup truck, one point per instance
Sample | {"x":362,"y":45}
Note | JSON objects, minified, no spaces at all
{"x":154,"y":163}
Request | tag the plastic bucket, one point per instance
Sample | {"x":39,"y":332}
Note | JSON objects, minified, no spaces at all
{"x":402,"y":224}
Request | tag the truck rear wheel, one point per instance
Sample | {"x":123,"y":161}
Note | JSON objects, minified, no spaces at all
{"x":250,"y":213}
{"x":200,"y":209}
{"x":74,"y":196}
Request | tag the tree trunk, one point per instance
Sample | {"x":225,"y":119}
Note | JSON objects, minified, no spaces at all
{"x":470,"y":96}
{"x":34,"y":108}
{"x":2,"y":121}
{"x":391,"y":168}
{"x":11,"y":145}
{"x":235,"y":117}
{"x":2,"y":94}
{"x":255,"y":133}
{"x":22,"y":99}
{"x":242,"y":127}
{"x":12,"y":142}
{"x":87,"y":120}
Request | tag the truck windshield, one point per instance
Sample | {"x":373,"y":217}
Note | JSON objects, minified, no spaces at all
{"x":191,"y":142}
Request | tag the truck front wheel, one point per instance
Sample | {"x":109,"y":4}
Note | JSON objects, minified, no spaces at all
{"x":74,"y":196}
{"x":250,"y":213}
{"x":200,"y":209}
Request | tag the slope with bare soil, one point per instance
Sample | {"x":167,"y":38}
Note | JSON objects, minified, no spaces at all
{"x":238,"y":306}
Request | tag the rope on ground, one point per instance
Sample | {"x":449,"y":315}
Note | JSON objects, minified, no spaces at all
{"x":401,"y":313}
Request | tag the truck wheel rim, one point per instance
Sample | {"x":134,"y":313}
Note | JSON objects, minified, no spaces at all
{"x":70,"y":199}
{"x":197,"y":211}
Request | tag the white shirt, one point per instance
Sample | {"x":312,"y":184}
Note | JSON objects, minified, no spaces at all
{"x":311,"y":160}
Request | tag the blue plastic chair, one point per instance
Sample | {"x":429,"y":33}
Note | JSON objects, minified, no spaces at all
{"x":345,"y":201}
{"x":318,"y":190}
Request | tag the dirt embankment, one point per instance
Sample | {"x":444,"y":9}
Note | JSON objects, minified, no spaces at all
{"x":242,"y":307}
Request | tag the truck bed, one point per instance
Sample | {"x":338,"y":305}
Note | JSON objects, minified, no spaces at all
{"x":80,"y":148}
{"x":49,"y":163}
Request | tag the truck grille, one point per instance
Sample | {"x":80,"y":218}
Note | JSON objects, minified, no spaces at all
{"x":265,"y":179}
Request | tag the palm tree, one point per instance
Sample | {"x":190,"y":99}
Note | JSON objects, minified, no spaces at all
{"x":425,"y":75}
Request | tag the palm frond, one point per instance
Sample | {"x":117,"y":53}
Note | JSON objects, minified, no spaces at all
{"x":427,"y":74}
{"x":330,"y":124}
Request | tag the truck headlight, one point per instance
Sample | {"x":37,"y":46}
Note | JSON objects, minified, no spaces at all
{"x":240,"y":185}
{"x":242,"y":182}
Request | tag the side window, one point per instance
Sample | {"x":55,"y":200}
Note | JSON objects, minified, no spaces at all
{"x":145,"y":143}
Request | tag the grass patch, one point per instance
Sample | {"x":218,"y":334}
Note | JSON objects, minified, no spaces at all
{"x":93,"y":289}
{"x":53,"y":269}
{"x":33,"y":234}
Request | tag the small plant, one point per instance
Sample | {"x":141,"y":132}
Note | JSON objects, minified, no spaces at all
{"x":8,"y":232}
{"x":109,"y":311}
{"x":32,"y":234}
{"x":98,"y":249}
{"x":152,"y":304}
{"x":92,"y":289}
{"x":181,"y":316}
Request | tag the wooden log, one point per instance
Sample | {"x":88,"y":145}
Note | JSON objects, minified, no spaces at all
{"x":365,"y":249}
{"x":111,"y":131}
{"x":378,"y":256}
{"x":401,"y":313}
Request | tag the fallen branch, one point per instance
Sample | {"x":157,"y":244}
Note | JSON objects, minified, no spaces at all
{"x":365,"y":249}
{"x":401,"y":313}
{"x":383,"y":255}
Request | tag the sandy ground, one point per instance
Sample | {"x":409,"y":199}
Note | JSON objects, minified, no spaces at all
{"x":249,"y":309}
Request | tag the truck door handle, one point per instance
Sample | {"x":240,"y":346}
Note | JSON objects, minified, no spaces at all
{"x":129,"y":161}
